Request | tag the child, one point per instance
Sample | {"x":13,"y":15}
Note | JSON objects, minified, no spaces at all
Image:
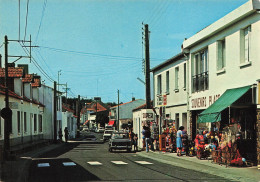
{"x":135,"y":139}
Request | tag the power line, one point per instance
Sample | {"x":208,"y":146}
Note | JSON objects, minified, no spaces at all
{"x":43,"y":11}
{"x":95,"y":55}
{"x":36,"y":64}
{"x":27,"y":11}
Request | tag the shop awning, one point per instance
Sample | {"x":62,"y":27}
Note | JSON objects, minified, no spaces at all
{"x":111,"y":122}
{"x":213,"y":112}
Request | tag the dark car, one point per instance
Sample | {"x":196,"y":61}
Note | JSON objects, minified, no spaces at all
{"x":120,"y":141}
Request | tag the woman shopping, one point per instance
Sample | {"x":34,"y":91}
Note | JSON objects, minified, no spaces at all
{"x":179,"y":140}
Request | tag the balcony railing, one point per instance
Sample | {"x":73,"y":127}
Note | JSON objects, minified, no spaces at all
{"x":200,"y":82}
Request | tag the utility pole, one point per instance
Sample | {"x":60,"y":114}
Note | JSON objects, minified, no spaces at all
{"x":55,"y":112}
{"x":78,"y":118}
{"x":147,"y":68}
{"x":6,"y":111}
{"x":0,"y":60}
{"x":117,"y":124}
{"x":59,"y":73}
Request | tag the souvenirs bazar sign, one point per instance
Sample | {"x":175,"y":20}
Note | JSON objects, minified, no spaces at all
{"x":203,"y":102}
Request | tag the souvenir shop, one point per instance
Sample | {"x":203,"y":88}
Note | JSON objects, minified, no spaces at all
{"x":230,"y":124}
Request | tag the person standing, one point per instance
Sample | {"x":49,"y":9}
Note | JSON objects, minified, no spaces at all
{"x":66,"y":132}
{"x":147,"y":139}
{"x":179,"y":140}
{"x":60,"y":134}
{"x":135,"y":142}
{"x":143,"y":137}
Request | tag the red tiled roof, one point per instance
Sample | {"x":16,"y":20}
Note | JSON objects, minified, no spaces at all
{"x":28,"y":78}
{"x":66,"y":107}
{"x":123,"y":104}
{"x":12,"y":72}
{"x":36,"y":82}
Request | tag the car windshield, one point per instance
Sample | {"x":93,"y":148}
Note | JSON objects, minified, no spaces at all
{"x":90,"y":136}
{"x":119,"y":135}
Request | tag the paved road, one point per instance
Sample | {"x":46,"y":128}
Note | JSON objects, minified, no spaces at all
{"x":91,"y":161}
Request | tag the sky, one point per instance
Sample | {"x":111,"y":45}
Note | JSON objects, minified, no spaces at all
{"x":96,"y":45}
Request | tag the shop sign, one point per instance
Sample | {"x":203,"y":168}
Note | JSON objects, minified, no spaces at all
{"x":203,"y":102}
{"x":147,"y":114}
{"x":164,"y":100}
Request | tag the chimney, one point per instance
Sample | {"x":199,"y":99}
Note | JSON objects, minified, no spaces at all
{"x":25,"y":68}
{"x":133,"y":98}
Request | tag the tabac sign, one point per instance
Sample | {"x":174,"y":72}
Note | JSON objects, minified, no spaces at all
{"x":147,"y":114}
{"x":203,"y":102}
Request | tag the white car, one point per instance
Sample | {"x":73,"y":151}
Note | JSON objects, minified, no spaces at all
{"x":107,"y":134}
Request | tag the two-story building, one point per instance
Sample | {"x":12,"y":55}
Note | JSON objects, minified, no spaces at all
{"x":223,"y":68}
{"x":170,"y":92}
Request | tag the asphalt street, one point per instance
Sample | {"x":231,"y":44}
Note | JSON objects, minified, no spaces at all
{"x":91,"y":161}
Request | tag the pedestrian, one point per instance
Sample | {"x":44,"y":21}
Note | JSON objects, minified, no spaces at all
{"x":60,"y":135}
{"x":147,"y":138}
{"x":66,"y":132}
{"x":179,"y":141}
{"x":143,"y":137}
{"x":135,"y":142}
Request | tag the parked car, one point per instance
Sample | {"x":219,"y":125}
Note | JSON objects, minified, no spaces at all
{"x":101,"y":129}
{"x":107,"y":134}
{"x":109,"y":127}
{"x":120,"y":141}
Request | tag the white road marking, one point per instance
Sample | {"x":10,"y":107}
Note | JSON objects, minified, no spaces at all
{"x":143,"y":162}
{"x":43,"y":165}
{"x":69,"y":164}
{"x":119,"y":162}
{"x":94,"y":163}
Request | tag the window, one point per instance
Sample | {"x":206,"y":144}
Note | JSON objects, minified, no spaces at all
{"x":247,"y":33}
{"x":221,"y":54}
{"x":24,"y":122}
{"x":200,"y":71}
{"x":35,"y":122}
{"x":245,"y":45}
{"x":167,"y":82}
{"x":40,"y":122}
{"x":159,"y":84}
{"x":177,"y":121}
{"x":176,"y":78}
{"x":18,"y":122}
{"x":184,"y":75}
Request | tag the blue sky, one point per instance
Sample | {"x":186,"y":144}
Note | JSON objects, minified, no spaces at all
{"x":97,"y":44}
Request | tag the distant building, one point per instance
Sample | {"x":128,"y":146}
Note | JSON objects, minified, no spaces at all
{"x":125,"y":112}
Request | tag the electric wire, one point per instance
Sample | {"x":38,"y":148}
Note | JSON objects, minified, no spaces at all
{"x":43,"y":11}
{"x":96,"y":55}
{"x":36,"y":63}
{"x":27,"y":11}
{"x":158,"y":14}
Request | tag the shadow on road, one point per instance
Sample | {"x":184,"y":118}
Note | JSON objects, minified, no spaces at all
{"x":58,"y":170}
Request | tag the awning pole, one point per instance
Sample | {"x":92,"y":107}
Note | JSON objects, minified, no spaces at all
{"x":229,"y":113}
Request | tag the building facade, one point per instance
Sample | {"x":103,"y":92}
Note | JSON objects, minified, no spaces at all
{"x":170,"y":92}
{"x":223,"y":71}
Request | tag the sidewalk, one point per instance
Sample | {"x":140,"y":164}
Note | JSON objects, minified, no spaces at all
{"x":206,"y":166}
{"x":17,"y":169}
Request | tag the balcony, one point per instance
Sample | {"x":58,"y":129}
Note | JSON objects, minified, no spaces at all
{"x":200,"y":82}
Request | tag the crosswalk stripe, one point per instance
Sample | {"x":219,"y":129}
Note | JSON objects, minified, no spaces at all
{"x":43,"y":165}
{"x":143,"y":162}
{"x":94,"y":163}
{"x":119,"y":162}
{"x":69,"y":164}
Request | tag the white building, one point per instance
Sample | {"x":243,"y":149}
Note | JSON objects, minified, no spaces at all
{"x":225,"y":55}
{"x":170,"y":94}
{"x":69,"y":121}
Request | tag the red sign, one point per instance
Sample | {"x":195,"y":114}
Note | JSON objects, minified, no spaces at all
{"x":164,"y":100}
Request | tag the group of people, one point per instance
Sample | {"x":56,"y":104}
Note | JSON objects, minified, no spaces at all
{"x":134,"y":138}
{"x":66,"y":133}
